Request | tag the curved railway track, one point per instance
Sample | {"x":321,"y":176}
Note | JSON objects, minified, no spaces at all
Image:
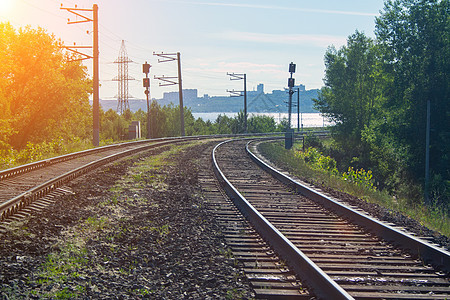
{"x":319,"y":249}
{"x":324,"y":245}
{"x":23,"y":186}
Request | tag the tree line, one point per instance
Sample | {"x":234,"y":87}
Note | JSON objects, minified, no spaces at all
{"x":165,"y":122}
{"x":376,"y":92}
{"x":45,"y":110}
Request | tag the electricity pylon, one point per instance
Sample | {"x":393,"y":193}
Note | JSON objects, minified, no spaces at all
{"x":122,"y":78}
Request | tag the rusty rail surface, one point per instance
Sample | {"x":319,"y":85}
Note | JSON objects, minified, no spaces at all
{"x":13,"y":205}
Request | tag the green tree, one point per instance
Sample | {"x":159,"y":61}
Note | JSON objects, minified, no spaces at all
{"x":223,"y":124}
{"x":351,"y":90}
{"x":238,"y":123}
{"x":259,"y":124}
{"x":415,"y":40}
{"x":42,"y":95}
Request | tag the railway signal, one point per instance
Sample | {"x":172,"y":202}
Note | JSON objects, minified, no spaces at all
{"x":289,"y":135}
{"x":146,"y":84}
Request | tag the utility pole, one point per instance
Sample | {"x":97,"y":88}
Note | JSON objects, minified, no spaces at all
{"x":298,"y":110}
{"x":427,"y":154}
{"x":171,"y":81}
{"x":234,"y":93}
{"x":96,"y":102}
{"x":146,"y":83}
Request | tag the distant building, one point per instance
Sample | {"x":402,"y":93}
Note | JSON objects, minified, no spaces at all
{"x":301,"y":86}
{"x":188,"y":94}
{"x":260,"y":88}
{"x":259,"y":91}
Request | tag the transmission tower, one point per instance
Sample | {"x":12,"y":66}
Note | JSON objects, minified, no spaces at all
{"x":122,"y":78}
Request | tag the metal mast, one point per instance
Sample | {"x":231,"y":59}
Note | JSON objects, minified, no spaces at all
{"x":96,"y":98}
{"x":122,"y":78}
{"x":234,"y":93}
{"x":171,"y":81}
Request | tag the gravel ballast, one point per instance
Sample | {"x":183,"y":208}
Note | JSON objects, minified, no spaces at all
{"x":136,"y":229}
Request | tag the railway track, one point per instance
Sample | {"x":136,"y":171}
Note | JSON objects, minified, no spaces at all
{"x":22,"y":186}
{"x":334,"y":253}
{"x":266,"y":272}
{"x":33,"y":186}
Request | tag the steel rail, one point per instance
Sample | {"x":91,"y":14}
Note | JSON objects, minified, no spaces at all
{"x":8,"y":173}
{"x":11,"y":172}
{"x":431,"y":254}
{"x":13,"y":205}
{"x":314,"y":277}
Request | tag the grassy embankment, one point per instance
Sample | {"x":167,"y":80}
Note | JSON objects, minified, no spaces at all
{"x":431,"y":217}
{"x":36,"y":152}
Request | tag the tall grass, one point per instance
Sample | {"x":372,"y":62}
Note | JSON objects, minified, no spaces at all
{"x":10,"y":158}
{"x":433,"y":217}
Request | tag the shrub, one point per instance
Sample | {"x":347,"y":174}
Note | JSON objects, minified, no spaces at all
{"x":360,"y":177}
{"x":318,"y":161}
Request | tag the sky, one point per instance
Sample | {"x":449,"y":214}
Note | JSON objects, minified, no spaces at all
{"x":214,"y":37}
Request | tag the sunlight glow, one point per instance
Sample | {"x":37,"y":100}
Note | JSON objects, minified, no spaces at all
{"x":5,"y":6}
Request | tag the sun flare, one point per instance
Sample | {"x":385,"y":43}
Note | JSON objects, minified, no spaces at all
{"x":5,"y":6}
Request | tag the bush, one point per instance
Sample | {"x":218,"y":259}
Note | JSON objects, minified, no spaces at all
{"x":318,"y":161}
{"x":360,"y":177}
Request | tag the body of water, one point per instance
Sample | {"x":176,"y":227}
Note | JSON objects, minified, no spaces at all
{"x":307,"y":119}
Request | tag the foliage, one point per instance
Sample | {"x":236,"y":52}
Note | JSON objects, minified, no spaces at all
{"x":257,"y":124}
{"x":312,"y":140}
{"x":359,"y":177}
{"x":42,"y":95}
{"x":376,"y":92}
{"x":317,"y":160}
{"x":34,"y":152}
{"x":414,"y":36}
{"x":351,"y":89}
{"x":284,"y":125}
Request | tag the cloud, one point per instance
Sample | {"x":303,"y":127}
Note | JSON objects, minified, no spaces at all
{"x":276,"y":7}
{"x":291,"y":39}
